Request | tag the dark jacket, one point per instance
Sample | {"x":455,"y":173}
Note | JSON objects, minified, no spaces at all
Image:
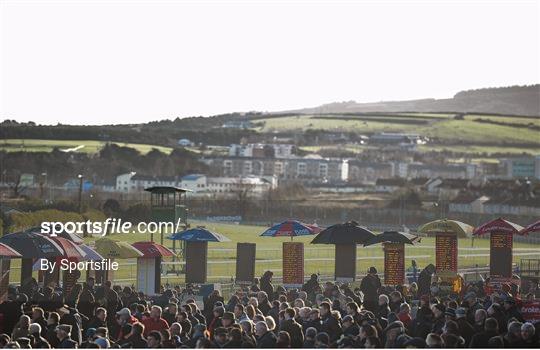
{"x":309,"y":344}
{"x":424,"y":282}
{"x":352,"y":331}
{"x":51,"y":336}
{"x":267,"y":341}
{"x":481,"y":340}
{"x":317,"y":324}
{"x":370,"y":286}
{"x":40,"y":343}
{"x":67,"y":343}
{"x":331,"y":326}
{"x":295,"y":331}
{"x":265,"y":307}
{"x":137,"y":341}
{"x":438,"y":325}
{"x":266,"y":286}
{"x":465,"y":329}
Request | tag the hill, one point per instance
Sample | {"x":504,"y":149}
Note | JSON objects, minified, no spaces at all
{"x":513,"y":100}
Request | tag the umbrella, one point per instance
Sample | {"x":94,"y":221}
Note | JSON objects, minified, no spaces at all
{"x":461,"y":229}
{"x":71,"y":250}
{"x":198,"y":234}
{"x":152,"y":250}
{"x":498,"y":225}
{"x":8,"y":252}
{"x":532,"y":228}
{"x":91,"y":254}
{"x":347,"y":233}
{"x":64,"y":234}
{"x":31,"y":245}
{"x":113,"y":249}
{"x":393,"y":237}
{"x":291,"y":228}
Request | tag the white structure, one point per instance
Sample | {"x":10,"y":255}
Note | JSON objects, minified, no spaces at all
{"x":194,"y":182}
{"x":133,"y":182}
{"x":277,"y":150}
{"x":123,"y":183}
{"x":250,"y":186}
{"x":199,"y":184}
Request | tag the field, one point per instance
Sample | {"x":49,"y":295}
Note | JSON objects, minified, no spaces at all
{"x":318,"y":258}
{"x":498,"y":129}
{"x":90,"y":146}
{"x":474,"y":134}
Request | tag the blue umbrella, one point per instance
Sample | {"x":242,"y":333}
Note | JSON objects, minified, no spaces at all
{"x":291,"y":228}
{"x":198,"y":234}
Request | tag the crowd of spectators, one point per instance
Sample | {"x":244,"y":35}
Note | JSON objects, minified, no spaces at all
{"x":318,"y":315}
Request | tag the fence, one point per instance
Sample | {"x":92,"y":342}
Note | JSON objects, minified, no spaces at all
{"x":474,"y":262}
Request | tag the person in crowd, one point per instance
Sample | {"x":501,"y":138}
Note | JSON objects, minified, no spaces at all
{"x":383,"y":310}
{"x":63,"y":333}
{"x":466,"y":330}
{"x":370,"y":286}
{"x":491,"y":329}
{"x":99,"y":319}
{"x":309,"y":339}
{"x":292,"y":328}
{"x":37,"y":341}
{"x":265,"y":338}
{"x":38,"y":316}
{"x":154,"y":322}
{"x":424,"y":280}
{"x":266,"y":284}
{"x":21,"y":328}
{"x":529,"y":335}
{"x":153,"y":340}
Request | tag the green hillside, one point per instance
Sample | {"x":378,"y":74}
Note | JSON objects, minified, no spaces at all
{"x":90,"y":146}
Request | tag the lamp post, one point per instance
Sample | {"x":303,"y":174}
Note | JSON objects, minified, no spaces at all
{"x":42,"y":184}
{"x":80,"y":177}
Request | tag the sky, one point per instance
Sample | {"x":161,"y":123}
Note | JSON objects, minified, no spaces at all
{"x":120,"y":61}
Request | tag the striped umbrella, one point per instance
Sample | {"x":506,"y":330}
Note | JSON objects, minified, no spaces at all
{"x":291,"y":228}
{"x":461,"y":229}
{"x":152,"y":250}
{"x":532,"y":228}
{"x":498,"y":225}
{"x":8,"y":252}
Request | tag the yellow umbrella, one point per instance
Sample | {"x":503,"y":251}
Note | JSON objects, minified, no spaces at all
{"x":113,"y":249}
{"x":461,"y":229}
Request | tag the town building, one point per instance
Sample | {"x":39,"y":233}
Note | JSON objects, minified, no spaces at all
{"x":363,"y":172}
{"x":521,"y":167}
{"x":261,"y":150}
{"x":298,"y":169}
{"x":444,"y":171}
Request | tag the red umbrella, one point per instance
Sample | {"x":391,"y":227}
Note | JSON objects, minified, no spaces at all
{"x":532,"y":228}
{"x":152,"y":250}
{"x":70,"y":248}
{"x":498,"y":225}
{"x":8,"y":252}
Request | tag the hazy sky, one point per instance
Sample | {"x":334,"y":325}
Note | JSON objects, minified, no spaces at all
{"x":97,"y":62}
